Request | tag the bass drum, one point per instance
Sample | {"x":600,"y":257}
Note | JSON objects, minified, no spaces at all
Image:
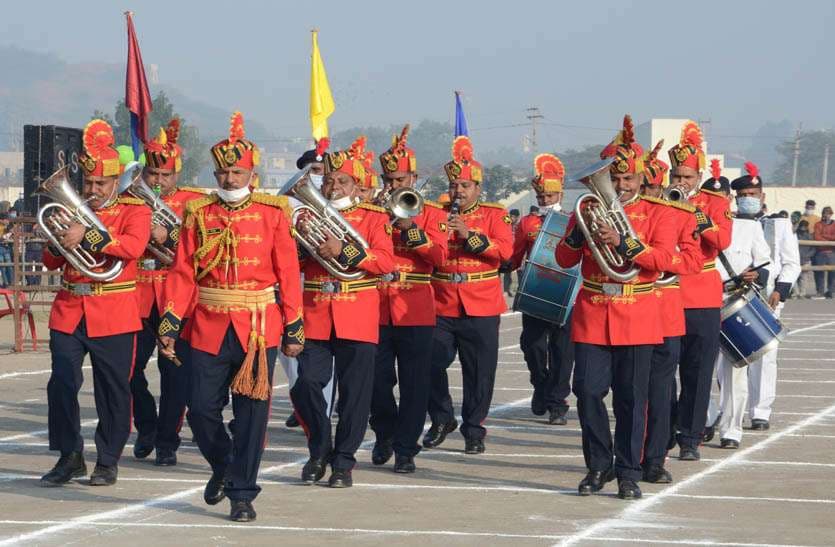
{"x":547,"y":291}
{"x":749,"y":328}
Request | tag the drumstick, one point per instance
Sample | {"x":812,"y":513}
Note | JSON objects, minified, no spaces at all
{"x":736,"y":281}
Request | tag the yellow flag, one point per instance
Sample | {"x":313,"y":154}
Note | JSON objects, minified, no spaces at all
{"x":321,"y":100}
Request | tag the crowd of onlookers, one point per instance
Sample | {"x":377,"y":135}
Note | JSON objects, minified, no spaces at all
{"x":808,"y":225}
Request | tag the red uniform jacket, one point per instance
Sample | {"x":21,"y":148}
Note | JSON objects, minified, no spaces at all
{"x":524,"y":238}
{"x":350,"y":309}
{"x":248,"y":248}
{"x":408,"y":298}
{"x":151,"y":276}
{"x":704,"y":289}
{"x":625,"y":319}
{"x":128,"y":224}
{"x":474,"y":263}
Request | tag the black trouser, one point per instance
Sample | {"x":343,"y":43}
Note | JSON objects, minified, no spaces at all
{"x":699,"y":348}
{"x":412,"y":348}
{"x":240,"y":456}
{"x":476,"y":339}
{"x":162,"y":431}
{"x":661,"y":388}
{"x":549,"y":354}
{"x":352,"y":362}
{"x":624,"y":369}
{"x":112,"y":359}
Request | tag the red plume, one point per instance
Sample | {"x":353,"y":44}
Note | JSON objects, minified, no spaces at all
{"x":322,"y":145}
{"x":654,"y":153}
{"x":691,"y":135}
{"x":752,"y":170}
{"x":236,"y":127}
{"x":715,"y":169}
{"x":172,"y":132}
{"x":628,"y":130}
{"x":462,"y":149}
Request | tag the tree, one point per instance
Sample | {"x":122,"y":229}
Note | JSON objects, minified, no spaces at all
{"x":195,"y":157}
{"x":810,"y":163}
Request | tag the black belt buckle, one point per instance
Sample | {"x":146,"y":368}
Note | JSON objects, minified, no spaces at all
{"x":330,"y":287}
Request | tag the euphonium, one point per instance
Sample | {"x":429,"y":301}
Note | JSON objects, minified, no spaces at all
{"x":598,"y":208}
{"x":320,"y":218}
{"x":161,"y":214}
{"x":67,"y":207}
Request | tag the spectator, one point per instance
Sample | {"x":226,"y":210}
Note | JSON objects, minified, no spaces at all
{"x":810,"y":216}
{"x":5,"y":251}
{"x":783,"y":214}
{"x":795,"y":218}
{"x":804,"y":287}
{"x":825,"y":256}
{"x":534,"y":210}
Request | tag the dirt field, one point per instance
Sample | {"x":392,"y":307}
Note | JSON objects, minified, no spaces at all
{"x":776,"y":490}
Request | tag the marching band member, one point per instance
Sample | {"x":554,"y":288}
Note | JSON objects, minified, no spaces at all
{"x":701,"y":293}
{"x":748,"y":248}
{"x":82,"y":320}
{"x":615,"y":325}
{"x":163,"y":163}
{"x":342,"y":319}
{"x":547,"y":347}
{"x":235,"y":247}
{"x":407,"y":318}
{"x":468,"y":302}
{"x":665,"y":356}
{"x":784,"y":270}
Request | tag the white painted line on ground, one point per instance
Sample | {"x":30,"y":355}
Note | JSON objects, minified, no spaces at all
{"x":632,"y":514}
{"x":33,"y":373}
{"x":813,"y":327}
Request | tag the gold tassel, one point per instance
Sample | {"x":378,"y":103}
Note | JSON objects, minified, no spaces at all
{"x":243,"y":383}
{"x":261,"y":391}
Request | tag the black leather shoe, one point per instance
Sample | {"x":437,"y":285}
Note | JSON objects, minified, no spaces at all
{"x":656,"y":474}
{"x":760,"y":425}
{"x":382,"y":452}
{"x":104,"y":475}
{"x":341,"y":478}
{"x":143,"y":447}
{"x":557,"y":416}
{"x":404,"y":464}
{"x":628,"y":489}
{"x":314,"y":470}
{"x":165,"y":457}
{"x":292,"y":421}
{"x":594,"y":482}
{"x":689,"y":454}
{"x":438,"y":432}
{"x":474,"y":446}
{"x":672,"y":442}
{"x":710,"y":431}
{"x":730,"y":444}
{"x":68,"y":467}
{"x":214,"y":491}
{"x":538,"y":401}
{"x":242,"y":511}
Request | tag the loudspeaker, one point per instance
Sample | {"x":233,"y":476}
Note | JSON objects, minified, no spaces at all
{"x":47,"y":148}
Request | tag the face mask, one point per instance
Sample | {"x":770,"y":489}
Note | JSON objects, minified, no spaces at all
{"x":233,"y":196}
{"x":747,"y":205}
{"x":316,"y":180}
{"x":342,"y":203}
{"x":810,"y":211}
{"x":556,"y":207}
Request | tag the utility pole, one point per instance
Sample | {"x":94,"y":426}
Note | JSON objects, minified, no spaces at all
{"x":796,"y":153}
{"x":533,"y":116}
{"x":825,"y":164}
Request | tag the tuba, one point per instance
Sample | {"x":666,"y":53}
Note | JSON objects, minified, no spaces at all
{"x":601,"y":207}
{"x":161,"y":214}
{"x":67,"y":207}
{"x":402,"y":203}
{"x":321,"y":219}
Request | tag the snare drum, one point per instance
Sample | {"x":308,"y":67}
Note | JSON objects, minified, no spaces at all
{"x":749,"y":328}
{"x":547,"y":291}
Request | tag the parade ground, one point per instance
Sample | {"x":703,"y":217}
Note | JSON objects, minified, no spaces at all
{"x":777,"y":489}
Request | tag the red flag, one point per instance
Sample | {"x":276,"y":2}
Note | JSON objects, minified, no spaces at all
{"x":137,"y":95}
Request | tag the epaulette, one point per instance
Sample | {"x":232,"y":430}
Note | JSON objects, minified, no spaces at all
{"x":194,"y":189}
{"x":199,"y":203}
{"x":492,"y":204}
{"x":124,"y":200}
{"x":372,"y":207}
{"x":268,"y":199}
{"x":434,"y":204}
{"x":712,"y":193}
{"x":684,"y":206}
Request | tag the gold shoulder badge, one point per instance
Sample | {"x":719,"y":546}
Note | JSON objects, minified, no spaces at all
{"x":434,"y":204}
{"x":492,"y":204}
{"x":372,"y":207}
{"x":199,"y":203}
{"x":124,"y":200}
{"x":712,"y":193}
{"x":684,"y":206}
{"x":269,"y":199}
{"x":194,"y":189}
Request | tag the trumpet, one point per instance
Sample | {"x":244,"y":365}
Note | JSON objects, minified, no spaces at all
{"x":315,"y":219}
{"x":675,"y":193}
{"x":598,"y":208}
{"x":67,"y":207}
{"x":403,"y":203}
{"x":161,"y":214}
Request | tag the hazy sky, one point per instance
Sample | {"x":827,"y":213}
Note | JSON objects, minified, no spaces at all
{"x":738,"y":63}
